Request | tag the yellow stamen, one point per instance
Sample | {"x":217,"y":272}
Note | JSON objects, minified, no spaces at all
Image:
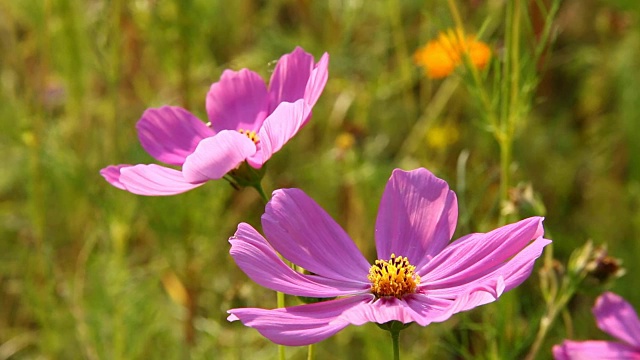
{"x":251,"y":135}
{"x":393,"y":277}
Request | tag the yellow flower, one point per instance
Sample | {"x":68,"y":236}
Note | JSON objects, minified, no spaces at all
{"x":442,"y":55}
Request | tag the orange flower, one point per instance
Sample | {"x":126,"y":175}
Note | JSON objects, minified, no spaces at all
{"x":442,"y":55}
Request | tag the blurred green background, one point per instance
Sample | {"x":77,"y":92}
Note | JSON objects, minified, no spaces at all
{"x":90,"y":271}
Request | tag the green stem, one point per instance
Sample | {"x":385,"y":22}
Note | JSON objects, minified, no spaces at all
{"x":509,"y":119}
{"x":477,"y":81}
{"x":261,"y":192}
{"x":120,"y":333}
{"x":514,"y":55}
{"x":505,"y":164}
{"x":279,"y":295}
{"x":546,"y":322}
{"x":310,"y":352}
{"x":396,"y":348}
{"x":39,"y":274}
{"x":400,"y":44}
{"x":557,"y":298}
{"x":501,"y":127}
{"x":281,"y":304}
{"x":457,"y":19}
{"x":184,"y":53}
{"x":280,"y":299}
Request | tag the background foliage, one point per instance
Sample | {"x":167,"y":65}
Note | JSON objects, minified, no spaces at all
{"x":89,"y":271}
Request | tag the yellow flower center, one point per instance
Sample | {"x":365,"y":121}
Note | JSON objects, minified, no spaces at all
{"x":251,"y":135}
{"x":393,"y":277}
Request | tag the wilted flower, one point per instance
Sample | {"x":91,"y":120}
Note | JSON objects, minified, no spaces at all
{"x":249,"y":122}
{"x":523,"y":201}
{"x":604,"y":267}
{"x":616,"y":317}
{"x":441,"y":56}
{"x":418,"y":276}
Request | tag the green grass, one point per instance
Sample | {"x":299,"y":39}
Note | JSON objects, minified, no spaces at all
{"x":84,"y":267}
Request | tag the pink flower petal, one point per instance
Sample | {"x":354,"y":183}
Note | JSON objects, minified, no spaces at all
{"x":600,"y":350}
{"x":277,"y":129}
{"x":617,"y":317}
{"x":381,"y":311}
{"x":306,"y":235}
{"x":417,"y":216}
{"x":217,"y":155}
{"x":299,"y":325}
{"x":428,"y":309}
{"x":238,"y":101}
{"x":474,"y":256}
{"x":154,"y":180}
{"x":112,"y":174}
{"x":420,"y":308}
{"x":317,"y":81}
{"x":170,"y":133}
{"x":489,"y":287}
{"x":289,"y":79}
{"x":261,"y":263}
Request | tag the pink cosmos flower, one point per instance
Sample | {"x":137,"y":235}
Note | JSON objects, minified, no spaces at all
{"x":614,"y":316}
{"x":249,"y":122}
{"x":418,"y":277}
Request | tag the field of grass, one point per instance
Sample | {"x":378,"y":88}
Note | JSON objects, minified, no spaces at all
{"x":90,"y":271}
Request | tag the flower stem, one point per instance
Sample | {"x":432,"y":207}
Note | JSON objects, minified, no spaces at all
{"x":505,"y":164}
{"x":512,"y":104}
{"x":394,"y":327}
{"x":310,"y":352}
{"x":281,"y":304}
{"x":261,"y":192}
{"x":503,"y":121}
{"x":545,"y":324}
{"x":395,"y":334}
{"x":457,"y":19}
{"x":557,"y":295}
{"x":485,"y":100}
{"x":279,"y":295}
